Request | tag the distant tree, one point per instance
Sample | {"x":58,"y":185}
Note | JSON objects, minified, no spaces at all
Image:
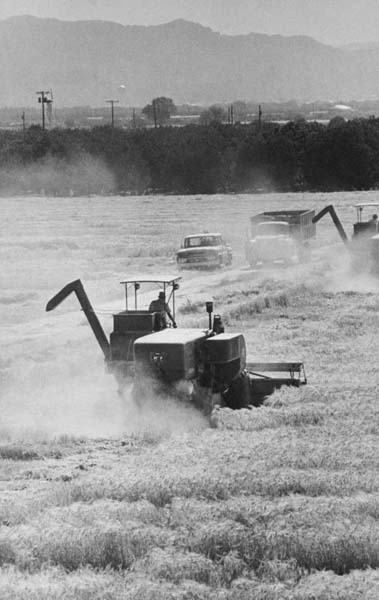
{"x":160,"y":110}
{"x":208,"y":159}
{"x":337,"y":121}
{"x":213,"y":114}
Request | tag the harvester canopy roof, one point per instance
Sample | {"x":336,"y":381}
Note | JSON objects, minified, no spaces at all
{"x":169,"y":280}
{"x":168,"y":283}
{"x":366,"y":204}
{"x":374,"y":206}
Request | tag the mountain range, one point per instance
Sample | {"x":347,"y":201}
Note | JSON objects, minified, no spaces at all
{"x":90,"y":62}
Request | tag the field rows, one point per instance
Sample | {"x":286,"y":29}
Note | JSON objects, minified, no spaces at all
{"x":281,"y":502}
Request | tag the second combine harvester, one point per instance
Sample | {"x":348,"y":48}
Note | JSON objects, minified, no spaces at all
{"x":363,"y":246}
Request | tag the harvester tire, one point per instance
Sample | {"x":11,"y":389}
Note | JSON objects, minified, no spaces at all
{"x":238,"y":394}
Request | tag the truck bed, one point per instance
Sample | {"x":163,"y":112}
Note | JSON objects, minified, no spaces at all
{"x":300,"y":221}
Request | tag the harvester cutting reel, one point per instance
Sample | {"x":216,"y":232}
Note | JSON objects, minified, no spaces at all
{"x":207,"y":366}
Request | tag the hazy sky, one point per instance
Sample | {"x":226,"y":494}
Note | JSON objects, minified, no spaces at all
{"x":329,"y":21}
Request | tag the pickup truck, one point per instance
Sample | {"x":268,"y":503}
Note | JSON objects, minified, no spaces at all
{"x":280,"y":237}
{"x":204,"y":250}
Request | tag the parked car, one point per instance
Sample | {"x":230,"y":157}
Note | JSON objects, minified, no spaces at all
{"x":204,"y":250}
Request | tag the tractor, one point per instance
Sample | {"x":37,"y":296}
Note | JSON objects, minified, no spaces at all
{"x":364,"y":244}
{"x":210,"y":363}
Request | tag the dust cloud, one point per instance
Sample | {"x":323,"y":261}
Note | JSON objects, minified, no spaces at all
{"x":339,"y":275}
{"x":89,"y":407}
{"x":80,"y":175}
{"x":47,"y":401}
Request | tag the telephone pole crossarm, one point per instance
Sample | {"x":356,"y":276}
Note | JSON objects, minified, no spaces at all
{"x":43,"y":99}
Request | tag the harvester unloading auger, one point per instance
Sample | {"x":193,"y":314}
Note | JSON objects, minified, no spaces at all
{"x":213,"y":363}
{"x":364,"y":244}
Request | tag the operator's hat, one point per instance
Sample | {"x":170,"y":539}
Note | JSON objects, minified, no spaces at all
{"x":161,"y":295}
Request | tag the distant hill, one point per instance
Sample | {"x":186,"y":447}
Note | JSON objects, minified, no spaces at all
{"x":86,"y":62}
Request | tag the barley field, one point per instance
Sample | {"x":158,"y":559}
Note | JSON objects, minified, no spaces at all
{"x":102,"y":500}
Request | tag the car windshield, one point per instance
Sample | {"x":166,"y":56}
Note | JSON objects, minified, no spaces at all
{"x":272,"y":228}
{"x":203,"y":240}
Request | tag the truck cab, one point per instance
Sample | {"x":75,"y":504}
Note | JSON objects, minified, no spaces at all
{"x":272,"y":244}
{"x":279,"y":237}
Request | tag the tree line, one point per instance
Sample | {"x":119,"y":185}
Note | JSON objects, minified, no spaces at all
{"x":195,"y":159}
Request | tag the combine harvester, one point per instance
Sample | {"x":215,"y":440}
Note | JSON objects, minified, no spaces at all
{"x":212,"y":364}
{"x":364,"y":244}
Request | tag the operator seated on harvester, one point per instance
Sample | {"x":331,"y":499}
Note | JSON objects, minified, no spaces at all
{"x":160,"y":306}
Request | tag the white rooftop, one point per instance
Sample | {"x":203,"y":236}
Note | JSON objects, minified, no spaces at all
{"x":204,"y":234}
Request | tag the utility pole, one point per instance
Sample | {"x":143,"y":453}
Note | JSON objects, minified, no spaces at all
{"x":231,"y":114}
{"x":112,"y":103}
{"x":155,"y":113}
{"x":23,"y":124}
{"x":23,"y":136}
{"x":259,"y":117}
{"x":43,"y":99}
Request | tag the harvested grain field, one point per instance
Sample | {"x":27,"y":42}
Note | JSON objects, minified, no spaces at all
{"x":100,"y":500}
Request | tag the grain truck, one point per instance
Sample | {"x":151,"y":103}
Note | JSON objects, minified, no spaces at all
{"x":280,"y":236}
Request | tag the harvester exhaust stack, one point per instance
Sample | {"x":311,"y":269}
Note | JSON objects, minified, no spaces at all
{"x":209,"y":308}
{"x":77,"y":287}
